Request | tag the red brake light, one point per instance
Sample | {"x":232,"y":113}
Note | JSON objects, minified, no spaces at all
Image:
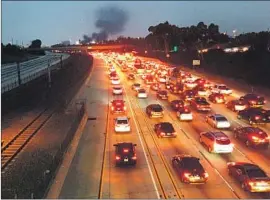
{"x":134,"y":158}
{"x":206,"y":175}
{"x":126,"y":150}
{"x":264,"y":101}
{"x":117,"y":157}
{"x":257,"y":117}
{"x":251,"y":183}
{"x":162,"y":133}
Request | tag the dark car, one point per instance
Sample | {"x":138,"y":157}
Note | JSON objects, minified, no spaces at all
{"x":189,"y":169}
{"x":149,"y":79}
{"x":252,"y":136}
{"x":200,"y":104}
{"x":188,"y":95}
{"x":200,"y":91}
{"x":217,"y":98}
{"x":251,"y":177}
{"x":162,"y":94}
{"x":176,"y":104}
{"x":131,"y":77}
{"x":164,"y":129}
{"x":254,"y":116}
{"x":118,"y":106}
{"x":237,"y":105}
{"x":112,"y":75}
{"x":254,"y":100}
{"x":154,"y":110}
{"x":125,"y":153}
{"x":176,"y":88}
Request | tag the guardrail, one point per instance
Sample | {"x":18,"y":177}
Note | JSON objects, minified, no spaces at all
{"x":15,"y":74}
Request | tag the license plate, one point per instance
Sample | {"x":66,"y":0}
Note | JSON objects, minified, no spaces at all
{"x":169,"y":134}
{"x":126,"y":160}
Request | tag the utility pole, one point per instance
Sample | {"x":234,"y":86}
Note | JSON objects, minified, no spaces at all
{"x":19,"y":73}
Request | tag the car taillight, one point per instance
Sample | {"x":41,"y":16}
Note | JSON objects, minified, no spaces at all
{"x":264,"y":101}
{"x":206,"y":175}
{"x":126,"y":150}
{"x":257,"y":117}
{"x":251,"y":183}
{"x":162,"y":133}
{"x":187,"y":175}
{"x":117,"y":157}
{"x":254,"y":138}
{"x":112,"y":108}
{"x":125,"y":108}
{"x":252,"y":102}
{"x":230,"y":163}
{"x":134,"y":158}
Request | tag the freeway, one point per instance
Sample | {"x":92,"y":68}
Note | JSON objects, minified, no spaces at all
{"x":93,"y":174}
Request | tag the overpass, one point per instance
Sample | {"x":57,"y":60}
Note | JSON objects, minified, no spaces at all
{"x":99,"y":47}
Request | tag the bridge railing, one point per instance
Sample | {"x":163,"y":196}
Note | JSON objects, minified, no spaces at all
{"x":15,"y":74}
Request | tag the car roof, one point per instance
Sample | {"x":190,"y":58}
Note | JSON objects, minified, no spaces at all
{"x":125,"y":145}
{"x":247,"y":166}
{"x":252,"y":129}
{"x":122,"y":118}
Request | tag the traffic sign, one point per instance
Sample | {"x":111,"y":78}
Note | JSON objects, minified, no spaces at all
{"x":196,"y":62}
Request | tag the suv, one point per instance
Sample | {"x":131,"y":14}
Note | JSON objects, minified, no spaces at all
{"x":122,"y":124}
{"x":222,"y":89}
{"x":217,"y":142}
{"x":118,"y":106}
{"x":200,"y":104}
{"x":189,"y":169}
{"x":252,"y":136}
{"x":125,"y":153}
{"x":251,"y":176}
{"x":254,"y":100}
{"x":164,"y":129}
{"x":154,"y":110}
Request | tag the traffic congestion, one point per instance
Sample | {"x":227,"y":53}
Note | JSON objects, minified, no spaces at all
{"x":226,"y":132}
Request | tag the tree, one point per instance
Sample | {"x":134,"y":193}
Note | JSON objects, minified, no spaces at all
{"x":35,"y":44}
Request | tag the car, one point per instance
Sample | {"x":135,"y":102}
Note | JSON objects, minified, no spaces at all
{"x":188,"y":95}
{"x":200,"y":104}
{"x":141,"y":93}
{"x":117,"y":89}
{"x":112,"y":69}
{"x":167,"y":85}
{"x":253,"y":116}
{"x":162,"y":79}
{"x":216,"y":142}
{"x":200,"y":91}
{"x":149,"y":79}
{"x":222,"y":89}
{"x":252,"y":136}
{"x":122,"y":124}
{"x":124,"y":68}
{"x":237,"y":105}
{"x":190,"y":84}
{"x":125,"y":153}
{"x":184,"y":114}
{"x":155,"y":86}
{"x":176,"y":104}
{"x":176,"y":88}
{"x":218,"y":121}
{"x":251,"y":177}
{"x":131,"y":76}
{"x":254,"y":100}
{"x":115,"y":81}
{"x":162,"y":94}
{"x":165,"y":129}
{"x":200,"y":82}
{"x":113,"y":75}
{"x":217,"y":98}
{"x":136,"y":86}
{"x":118,"y":106}
{"x":154,"y":110}
{"x":189,"y":169}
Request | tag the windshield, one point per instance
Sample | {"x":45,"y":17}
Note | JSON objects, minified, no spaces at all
{"x":221,"y":119}
{"x":167,"y":127}
{"x":157,"y":108}
{"x":256,"y":173}
{"x":122,"y":121}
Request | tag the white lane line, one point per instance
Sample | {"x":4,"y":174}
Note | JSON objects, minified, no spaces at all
{"x":137,"y":128}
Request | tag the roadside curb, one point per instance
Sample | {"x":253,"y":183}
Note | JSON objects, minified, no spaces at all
{"x":55,"y":187}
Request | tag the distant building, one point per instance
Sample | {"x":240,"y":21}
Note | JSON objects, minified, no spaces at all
{"x":66,"y":43}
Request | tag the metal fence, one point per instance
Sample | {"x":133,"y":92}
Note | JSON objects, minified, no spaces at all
{"x":15,"y":74}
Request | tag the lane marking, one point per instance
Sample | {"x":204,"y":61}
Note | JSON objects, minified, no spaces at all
{"x":137,"y":128}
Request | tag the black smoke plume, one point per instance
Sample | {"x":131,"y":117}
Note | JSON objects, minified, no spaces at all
{"x":110,"y":20}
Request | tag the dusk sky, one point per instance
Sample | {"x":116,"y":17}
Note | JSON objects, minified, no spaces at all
{"x":53,"y":22}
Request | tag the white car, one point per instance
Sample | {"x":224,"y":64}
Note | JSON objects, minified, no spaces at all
{"x":162,"y":79}
{"x":112,"y":69}
{"x":122,"y":124}
{"x":184,"y":115}
{"x":115,"y":81}
{"x":190,"y":84}
{"x":117,"y":89}
{"x":141,"y":93}
{"x":218,"y":121}
{"x":222,"y":89}
{"x":136,"y":86}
